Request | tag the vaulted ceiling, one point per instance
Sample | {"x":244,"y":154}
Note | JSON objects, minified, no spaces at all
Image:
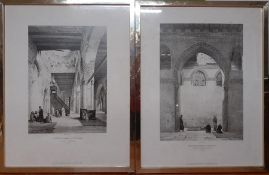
{"x":100,"y":67}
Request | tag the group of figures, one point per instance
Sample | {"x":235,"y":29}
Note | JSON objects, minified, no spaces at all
{"x":217,"y":129}
{"x":87,"y":114}
{"x":59,"y":112}
{"x":39,"y":116}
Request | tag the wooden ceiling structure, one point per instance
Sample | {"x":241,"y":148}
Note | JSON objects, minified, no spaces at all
{"x":57,"y":37}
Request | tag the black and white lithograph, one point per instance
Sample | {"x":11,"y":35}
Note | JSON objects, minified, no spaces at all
{"x":67,"y":79}
{"x":201,"y":81}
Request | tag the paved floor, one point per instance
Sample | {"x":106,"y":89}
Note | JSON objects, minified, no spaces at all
{"x":188,"y":135}
{"x":199,"y":135}
{"x":67,"y":121}
{"x":70,"y":124}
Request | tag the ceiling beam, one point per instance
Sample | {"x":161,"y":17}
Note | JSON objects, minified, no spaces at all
{"x":52,"y":32}
{"x":62,"y":40}
{"x":58,"y":44}
{"x":73,"y":48}
{"x":59,"y":84}
{"x":63,"y":74}
{"x":73,"y":37}
{"x":65,"y":81}
{"x":64,"y":77}
{"x":65,"y":84}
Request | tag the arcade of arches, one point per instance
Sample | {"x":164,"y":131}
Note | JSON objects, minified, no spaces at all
{"x":201,"y":76}
{"x":70,"y":62}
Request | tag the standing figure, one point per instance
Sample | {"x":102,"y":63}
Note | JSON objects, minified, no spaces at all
{"x":181,"y":124}
{"x":60,"y":112}
{"x":40,"y":114}
{"x":53,"y":111}
{"x":36,"y":116}
{"x":215,"y":122}
{"x":63,"y":111}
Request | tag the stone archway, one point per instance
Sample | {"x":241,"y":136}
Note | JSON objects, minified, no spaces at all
{"x":203,"y":47}
{"x":206,"y":48}
{"x":222,"y":42}
{"x":192,"y":51}
{"x":200,"y":99}
{"x":224,"y":64}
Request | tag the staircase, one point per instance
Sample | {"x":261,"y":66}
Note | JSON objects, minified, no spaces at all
{"x":58,"y":103}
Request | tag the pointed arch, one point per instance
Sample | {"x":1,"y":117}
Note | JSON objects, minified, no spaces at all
{"x":203,"y":48}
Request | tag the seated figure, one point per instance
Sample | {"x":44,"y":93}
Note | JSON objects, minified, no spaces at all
{"x":208,"y":129}
{"x":32,"y":117}
{"x":48,"y":118}
{"x":36,"y":116}
{"x":219,"y":129}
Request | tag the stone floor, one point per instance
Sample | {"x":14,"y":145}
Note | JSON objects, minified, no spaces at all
{"x":70,"y":124}
{"x":199,"y":136}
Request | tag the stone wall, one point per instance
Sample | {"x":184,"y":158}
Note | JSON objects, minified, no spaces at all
{"x":41,"y":64}
{"x":167,"y":101}
{"x":235,"y":105}
{"x":206,"y":100}
{"x":199,"y":104}
{"x":60,"y":61}
{"x":39,"y":81}
{"x":167,"y":107}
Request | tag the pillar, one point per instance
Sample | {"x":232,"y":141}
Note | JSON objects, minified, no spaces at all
{"x":177,"y":98}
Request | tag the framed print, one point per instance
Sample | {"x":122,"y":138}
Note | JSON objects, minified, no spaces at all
{"x":201,"y":86}
{"x":135,"y":86}
{"x":64,"y":108}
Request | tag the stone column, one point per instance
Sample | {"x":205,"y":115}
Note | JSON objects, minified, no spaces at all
{"x":225,"y":108}
{"x":225,"y":116}
{"x":176,"y":100}
{"x":92,"y":95}
{"x":84,"y":95}
{"x":78,"y":99}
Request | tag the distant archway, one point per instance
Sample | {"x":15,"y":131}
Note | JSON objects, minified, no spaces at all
{"x":219,"y":79}
{"x":198,"y":78}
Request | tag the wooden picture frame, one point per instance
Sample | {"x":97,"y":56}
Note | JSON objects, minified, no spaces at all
{"x":135,"y":114}
{"x":168,"y":14}
{"x":58,"y":36}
